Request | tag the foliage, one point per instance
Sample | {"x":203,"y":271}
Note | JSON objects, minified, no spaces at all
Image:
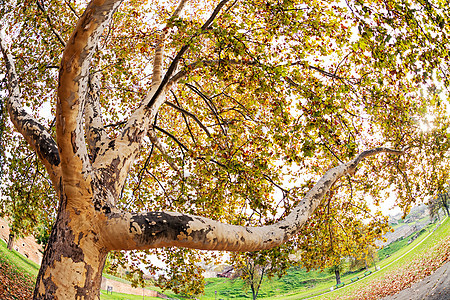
{"x":368,"y":259}
{"x":284,"y":89}
{"x":438,"y":203}
{"x":254,"y":266}
{"x":28,"y":200}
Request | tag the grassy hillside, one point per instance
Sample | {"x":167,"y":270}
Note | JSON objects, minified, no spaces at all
{"x":17,"y":275}
{"x":296,"y":278}
{"x":398,"y":274}
{"x":299,"y":284}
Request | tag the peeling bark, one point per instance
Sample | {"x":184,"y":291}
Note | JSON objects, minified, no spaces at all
{"x":73,"y":259}
{"x":95,"y":133}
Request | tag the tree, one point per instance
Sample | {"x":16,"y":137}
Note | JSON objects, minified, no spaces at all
{"x":336,"y":270}
{"x":433,"y":209}
{"x":254,"y":266}
{"x":442,"y":201}
{"x":248,"y":91}
{"x":364,"y":260}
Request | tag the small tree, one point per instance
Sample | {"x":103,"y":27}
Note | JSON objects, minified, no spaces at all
{"x":442,"y":202}
{"x":254,"y":266}
{"x":337,"y":270}
{"x":433,"y":209}
{"x":366,"y":258}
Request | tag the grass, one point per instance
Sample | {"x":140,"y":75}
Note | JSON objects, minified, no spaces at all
{"x":295,"y":279}
{"x":17,"y":275}
{"x":120,"y":296}
{"x":26,"y":266}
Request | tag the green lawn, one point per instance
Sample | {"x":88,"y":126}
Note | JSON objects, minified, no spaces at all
{"x":120,"y":296}
{"x":26,"y":266}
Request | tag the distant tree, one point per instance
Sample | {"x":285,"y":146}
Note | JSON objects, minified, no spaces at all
{"x":433,"y":209}
{"x":337,"y":270}
{"x":364,"y":260}
{"x":442,"y":201}
{"x":438,"y":203}
{"x":254,"y":266}
{"x":336,"y":242}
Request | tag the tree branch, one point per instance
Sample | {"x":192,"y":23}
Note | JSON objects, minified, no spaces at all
{"x":184,"y":117}
{"x":154,"y":139}
{"x":210,"y":105}
{"x":186,"y":113}
{"x":58,"y":36}
{"x":165,"y":229}
{"x":72,"y":94}
{"x":173,"y":66}
{"x":95,"y":130}
{"x":126,"y":146}
{"x":182,"y":146}
{"x":34,"y":133}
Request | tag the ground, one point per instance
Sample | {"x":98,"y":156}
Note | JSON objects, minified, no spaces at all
{"x":434,"y":287}
{"x":13,"y":284}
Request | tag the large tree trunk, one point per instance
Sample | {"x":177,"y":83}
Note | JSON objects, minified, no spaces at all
{"x":73,"y":259}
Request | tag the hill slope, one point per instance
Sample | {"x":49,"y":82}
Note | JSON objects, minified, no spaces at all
{"x":16,"y":282}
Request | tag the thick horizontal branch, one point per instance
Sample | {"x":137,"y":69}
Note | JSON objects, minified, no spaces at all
{"x":163,"y":229}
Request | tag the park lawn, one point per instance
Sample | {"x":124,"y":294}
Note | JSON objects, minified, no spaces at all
{"x":120,"y":296}
{"x":296,"y":278}
{"x":29,"y":268}
{"x":433,"y":248}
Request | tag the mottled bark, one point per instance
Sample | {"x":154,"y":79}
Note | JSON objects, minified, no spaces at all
{"x":88,"y":225}
{"x":73,"y":259}
{"x":96,"y":136}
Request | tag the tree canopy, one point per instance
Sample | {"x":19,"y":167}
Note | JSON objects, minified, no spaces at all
{"x":230,"y":111}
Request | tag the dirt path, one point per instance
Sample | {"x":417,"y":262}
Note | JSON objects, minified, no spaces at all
{"x":434,"y":287}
